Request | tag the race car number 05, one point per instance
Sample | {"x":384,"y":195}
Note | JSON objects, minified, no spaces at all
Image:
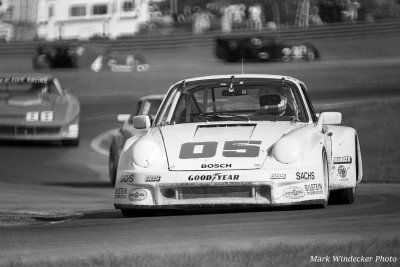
{"x":209,"y":149}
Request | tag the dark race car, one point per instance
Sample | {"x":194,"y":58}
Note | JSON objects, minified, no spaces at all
{"x":94,"y":57}
{"x":262,"y":48}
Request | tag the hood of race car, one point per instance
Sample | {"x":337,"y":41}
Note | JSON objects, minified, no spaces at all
{"x":15,"y":109}
{"x":216,"y":146}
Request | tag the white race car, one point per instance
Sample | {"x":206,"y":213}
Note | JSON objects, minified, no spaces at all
{"x":234,"y":141}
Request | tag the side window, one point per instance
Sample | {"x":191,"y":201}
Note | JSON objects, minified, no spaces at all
{"x":99,"y":9}
{"x":138,"y":108}
{"x":309,"y":104}
{"x":51,"y":11}
{"x":127,"y":6}
{"x":77,"y":11}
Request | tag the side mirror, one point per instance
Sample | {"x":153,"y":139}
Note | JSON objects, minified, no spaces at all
{"x":141,"y":122}
{"x":329,"y":118}
{"x":123,"y":117}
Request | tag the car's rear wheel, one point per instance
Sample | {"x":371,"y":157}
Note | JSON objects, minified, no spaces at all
{"x":343,"y":196}
{"x":113,"y":161}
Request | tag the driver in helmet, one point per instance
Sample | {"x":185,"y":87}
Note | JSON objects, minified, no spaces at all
{"x":272,"y":102}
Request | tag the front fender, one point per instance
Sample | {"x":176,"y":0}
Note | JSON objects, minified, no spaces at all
{"x":346,"y":162}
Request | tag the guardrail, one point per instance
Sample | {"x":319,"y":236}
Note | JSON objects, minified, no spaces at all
{"x":187,"y":40}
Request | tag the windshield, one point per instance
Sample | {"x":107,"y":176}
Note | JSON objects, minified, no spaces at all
{"x":251,"y":100}
{"x":23,"y":87}
{"x":149,"y":107}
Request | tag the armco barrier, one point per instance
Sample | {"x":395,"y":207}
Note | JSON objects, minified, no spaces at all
{"x":187,"y":40}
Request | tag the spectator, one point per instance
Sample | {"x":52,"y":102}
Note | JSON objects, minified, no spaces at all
{"x":315,"y":19}
{"x":201,"y":21}
{"x":351,"y":13}
{"x":255,"y":15}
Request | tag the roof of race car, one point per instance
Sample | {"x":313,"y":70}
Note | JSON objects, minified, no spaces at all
{"x":150,"y":97}
{"x":24,"y":77}
{"x":239,"y":76}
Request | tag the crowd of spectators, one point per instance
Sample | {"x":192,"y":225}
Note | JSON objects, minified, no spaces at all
{"x":225,"y":16}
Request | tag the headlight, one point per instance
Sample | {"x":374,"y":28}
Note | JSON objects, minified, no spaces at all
{"x":145,"y":153}
{"x":287,"y":150}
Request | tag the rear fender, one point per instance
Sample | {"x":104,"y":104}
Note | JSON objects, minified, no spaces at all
{"x":346,"y":163}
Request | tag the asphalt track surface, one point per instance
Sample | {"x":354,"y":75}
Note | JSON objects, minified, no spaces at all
{"x":69,"y":191}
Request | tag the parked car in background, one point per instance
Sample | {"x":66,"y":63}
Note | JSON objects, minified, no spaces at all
{"x":262,"y":48}
{"x":37,"y":107}
{"x":147,"y":105}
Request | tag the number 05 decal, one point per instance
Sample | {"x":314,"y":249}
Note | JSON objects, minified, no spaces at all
{"x":231,"y":149}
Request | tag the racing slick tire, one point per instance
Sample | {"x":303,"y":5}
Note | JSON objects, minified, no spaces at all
{"x":343,"y":196}
{"x":312,"y":52}
{"x":113,"y":161}
{"x":72,"y":142}
{"x":326,"y":175}
{"x":136,"y":213}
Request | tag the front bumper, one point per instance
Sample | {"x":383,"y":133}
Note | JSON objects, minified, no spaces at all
{"x":225,"y":188}
{"x":39,"y":132}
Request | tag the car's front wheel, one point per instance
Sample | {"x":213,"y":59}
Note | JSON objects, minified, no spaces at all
{"x":71,"y":142}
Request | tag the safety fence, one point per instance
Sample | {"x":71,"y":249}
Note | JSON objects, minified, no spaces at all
{"x":181,"y":41}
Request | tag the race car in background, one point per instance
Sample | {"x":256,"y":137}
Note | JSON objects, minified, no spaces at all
{"x":37,"y":107}
{"x":262,"y":48}
{"x":146,"y":105}
{"x":234,"y":141}
{"x":94,"y":57}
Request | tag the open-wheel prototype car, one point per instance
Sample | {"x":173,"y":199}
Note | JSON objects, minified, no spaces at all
{"x":263,"y":48}
{"x":234,"y":141}
{"x":36,"y":107}
{"x":146,"y":105}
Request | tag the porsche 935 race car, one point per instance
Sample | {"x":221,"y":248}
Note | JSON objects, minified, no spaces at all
{"x":237,"y":140}
{"x":147,"y":105}
{"x":263,"y":48}
{"x":36,"y":107}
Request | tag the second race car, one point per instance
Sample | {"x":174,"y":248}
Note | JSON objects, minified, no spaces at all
{"x":37,"y":107}
{"x":146,"y":105}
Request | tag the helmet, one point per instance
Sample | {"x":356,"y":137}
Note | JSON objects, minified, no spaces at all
{"x":272,"y":102}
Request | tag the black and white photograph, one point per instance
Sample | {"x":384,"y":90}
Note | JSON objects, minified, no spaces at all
{"x":199,"y":133}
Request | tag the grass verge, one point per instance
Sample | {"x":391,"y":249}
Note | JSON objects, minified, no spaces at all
{"x":376,"y":252}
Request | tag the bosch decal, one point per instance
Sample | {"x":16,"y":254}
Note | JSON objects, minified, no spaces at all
{"x":216,"y":166}
{"x":342,"y":171}
{"x":294,"y":192}
{"x":153,"y":178}
{"x":342,"y":160}
{"x":278,"y":176}
{"x":127,"y":178}
{"x":137,"y":194}
{"x":313,"y":189}
{"x":305,"y":176}
{"x":214,"y":177}
{"x":120,"y":192}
